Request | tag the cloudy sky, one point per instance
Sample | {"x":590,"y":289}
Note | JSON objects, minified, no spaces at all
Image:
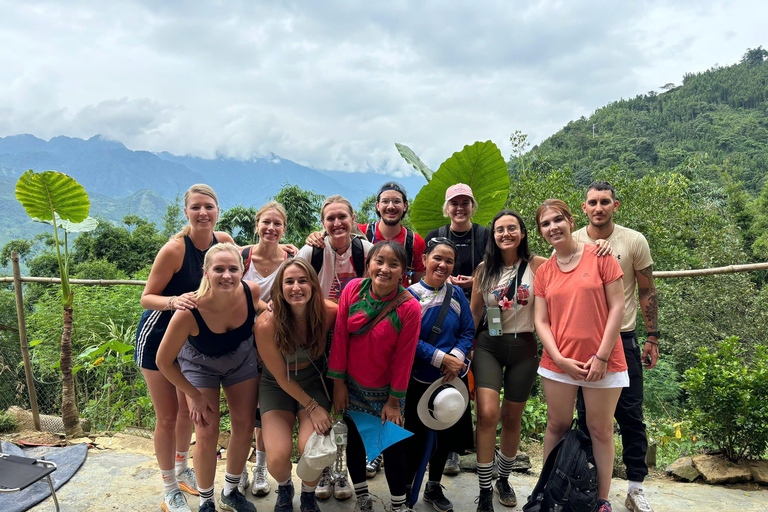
{"x":334,"y":84}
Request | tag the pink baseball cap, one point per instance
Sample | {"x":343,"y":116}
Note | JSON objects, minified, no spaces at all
{"x":459,"y":189}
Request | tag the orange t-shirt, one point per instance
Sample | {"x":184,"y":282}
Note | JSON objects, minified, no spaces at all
{"x":578,"y":308}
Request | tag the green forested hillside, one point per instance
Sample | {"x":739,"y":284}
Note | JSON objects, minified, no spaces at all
{"x":722,"y":112}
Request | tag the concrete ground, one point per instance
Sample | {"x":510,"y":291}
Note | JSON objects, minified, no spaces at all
{"x":124,"y":476}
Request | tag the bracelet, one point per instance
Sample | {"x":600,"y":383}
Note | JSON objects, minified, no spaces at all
{"x":600,"y":358}
{"x":169,"y":304}
{"x":396,"y":407}
{"x":311,"y":406}
{"x":652,"y":342}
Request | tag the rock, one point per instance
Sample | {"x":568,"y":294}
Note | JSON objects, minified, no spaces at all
{"x":718,"y":470}
{"x":759,"y":470}
{"x":468,"y":462}
{"x":682,"y":469}
{"x":224,"y":439}
{"x":522,"y":462}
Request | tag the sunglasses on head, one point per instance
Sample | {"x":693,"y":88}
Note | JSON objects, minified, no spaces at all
{"x":441,"y":240}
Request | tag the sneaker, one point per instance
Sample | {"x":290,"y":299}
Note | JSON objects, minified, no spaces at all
{"x":187,"y":482}
{"x":637,"y":502}
{"x":402,"y":508}
{"x":434,"y":494}
{"x":341,"y":488}
{"x":452,"y":464}
{"x":604,"y":506}
{"x":308,"y":502}
{"x":364,"y":504}
{"x":208,"y":506}
{"x":260,"y":485}
{"x":485,"y":500}
{"x":284,"y":501}
{"x":174,"y":501}
{"x":506,"y":493}
{"x":244,"y":482}
{"x":373,"y":467}
{"x":236,"y":502}
{"x":323,"y":489}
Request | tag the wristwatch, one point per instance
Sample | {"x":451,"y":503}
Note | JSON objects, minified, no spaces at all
{"x":656,"y":334}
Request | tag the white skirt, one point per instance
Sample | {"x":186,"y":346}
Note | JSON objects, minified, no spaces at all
{"x":611,"y":380}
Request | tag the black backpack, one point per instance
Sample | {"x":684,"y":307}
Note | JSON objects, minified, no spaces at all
{"x":568,"y":481}
{"x":370,"y":235}
{"x":358,"y":257}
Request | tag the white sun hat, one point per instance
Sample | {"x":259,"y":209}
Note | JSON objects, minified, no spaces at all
{"x":443,"y":404}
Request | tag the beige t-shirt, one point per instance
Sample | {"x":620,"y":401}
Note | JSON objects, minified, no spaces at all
{"x":519,"y":317}
{"x":631,"y":250}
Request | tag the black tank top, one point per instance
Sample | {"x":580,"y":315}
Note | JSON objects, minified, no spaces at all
{"x":188,"y":278}
{"x":217,"y":344}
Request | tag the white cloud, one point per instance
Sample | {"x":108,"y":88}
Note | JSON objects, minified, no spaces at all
{"x":334,"y":84}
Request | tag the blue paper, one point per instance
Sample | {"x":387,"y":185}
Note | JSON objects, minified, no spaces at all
{"x":377,"y":437}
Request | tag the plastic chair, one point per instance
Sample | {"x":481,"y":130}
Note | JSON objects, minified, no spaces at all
{"x":18,"y":473}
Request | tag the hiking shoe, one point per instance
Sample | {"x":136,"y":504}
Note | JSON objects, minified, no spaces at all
{"x":174,"y":501}
{"x":485,"y":500}
{"x":373,"y":467}
{"x":244,"y":482}
{"x":208,"y":506}
{"x":604,"y":506}
{"x":364,"y":504}
{"x":308,"y":502}
{"x":236,"y":502}
{"x":260,"y":485}
{"x":323,"y":489}
{"x":341,"y":488}
{"x":284,"y":501}
{"x":452,"y":464}
{"x":434,"y":494}
{"x":637,"y":502}
{"x":188,"y":482}
{"x":506,"y":493}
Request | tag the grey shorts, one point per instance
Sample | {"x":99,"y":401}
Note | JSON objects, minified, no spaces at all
{"x":272,"y":397}
{"x":204,"y":371}
{"x":506,"y":360}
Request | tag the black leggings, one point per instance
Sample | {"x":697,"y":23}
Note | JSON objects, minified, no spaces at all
{"x":394,"y":460}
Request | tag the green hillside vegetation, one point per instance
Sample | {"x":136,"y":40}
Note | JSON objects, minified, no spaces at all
{"x":722,"y":112}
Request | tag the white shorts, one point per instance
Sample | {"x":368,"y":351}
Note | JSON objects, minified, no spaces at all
{"x":611,"y":380}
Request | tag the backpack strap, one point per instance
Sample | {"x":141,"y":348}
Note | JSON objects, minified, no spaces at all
{"x":318,"y":253}
{"x":358,"y":256}
{"x":246,"y":253}
{"x":443,"y":231}
{"x":409,"y":237}
{"x":444,"y":307}
{"x":370,"y":232}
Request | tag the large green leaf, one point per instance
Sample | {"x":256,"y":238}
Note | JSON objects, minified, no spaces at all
{"x":480,"y":166}
{"x":87,"y":225}
{"x":44,"y":193}
{"x":411,"y":157}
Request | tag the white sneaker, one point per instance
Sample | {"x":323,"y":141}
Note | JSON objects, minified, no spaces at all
{"x":188,"y":482}
{"x":323,"y":489}
{"x":175,"y":501}
{"x":260,"y":485}
{"x":637,"y":502}
{"x":341,"y":488}
{"x":244,"y":482}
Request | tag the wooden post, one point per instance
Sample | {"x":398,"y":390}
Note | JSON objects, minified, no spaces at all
{"x":23,"y":339}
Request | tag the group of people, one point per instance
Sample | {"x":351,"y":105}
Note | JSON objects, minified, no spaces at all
{"x":373,"y":319}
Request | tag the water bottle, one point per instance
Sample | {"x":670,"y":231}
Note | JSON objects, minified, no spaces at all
{"x":340,"y":432}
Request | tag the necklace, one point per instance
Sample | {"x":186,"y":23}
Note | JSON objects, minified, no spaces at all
{"x":342,"y":249}
{"x":457,"y":235}
{"x":564,"y":263}
{"x":301,"y":319}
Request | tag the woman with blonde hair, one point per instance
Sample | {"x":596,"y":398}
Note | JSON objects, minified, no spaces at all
{"x":176,"y":273}
{"x":292,"y":340}
{"x":262,"y":262}
{"x":578,"y":311}
{"x":212,"y":347}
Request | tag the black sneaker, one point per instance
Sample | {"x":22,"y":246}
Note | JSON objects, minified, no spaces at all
{"x":434,"y":494}
{"x":284,"y":501}
{"x":308,"y":502}
{"x":452,"y":464}
{"x":506,"y":493}
{"x":485,"y":500}
{"x":236,"y":502}
{"x":208,"y":506}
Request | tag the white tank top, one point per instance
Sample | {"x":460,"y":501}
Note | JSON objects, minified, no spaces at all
{"x":265,"y":283}
{"x":519,"y":317}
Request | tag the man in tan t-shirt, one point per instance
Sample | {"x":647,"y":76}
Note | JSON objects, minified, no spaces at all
{"x":631,"y":250}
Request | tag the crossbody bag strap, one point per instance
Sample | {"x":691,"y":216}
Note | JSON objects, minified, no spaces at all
{"x":444,"y":307}
{"x":393,"y":304}
{"x":512,"y":292}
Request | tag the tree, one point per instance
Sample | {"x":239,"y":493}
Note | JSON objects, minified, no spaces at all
{"x":754,"y":56}
{"x":21,"y":246}
{"x":50,"y":197}
{"x":519,"y":141}
{"x":173,"y":220}
{"x":303,"y":209}
{"x":366,"y":210}
{"x":240,"y":223}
